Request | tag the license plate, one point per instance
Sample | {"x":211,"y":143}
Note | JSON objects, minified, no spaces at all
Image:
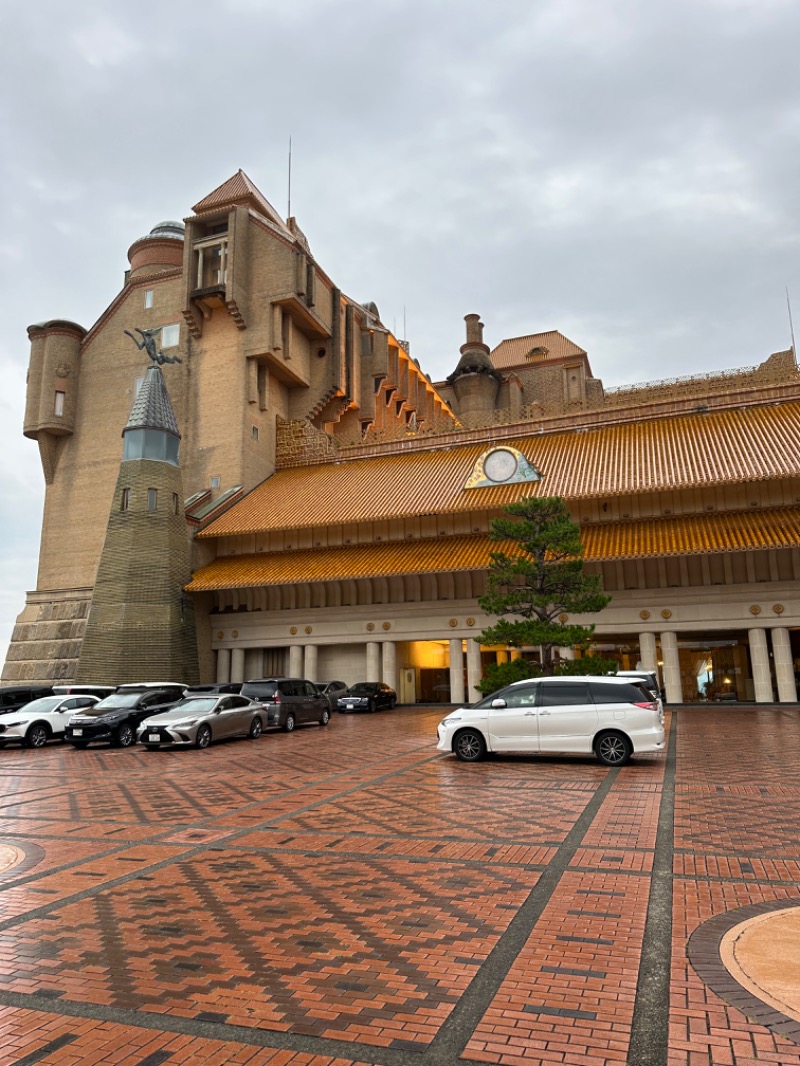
{"x":77,"y":732}
{"x":153,"y":738}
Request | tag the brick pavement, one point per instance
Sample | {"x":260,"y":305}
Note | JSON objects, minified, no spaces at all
{"x":349,"y":896}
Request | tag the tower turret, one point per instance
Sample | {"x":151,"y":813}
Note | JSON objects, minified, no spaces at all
{"x":475,"y":380}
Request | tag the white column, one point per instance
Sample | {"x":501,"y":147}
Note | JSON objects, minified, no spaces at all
{"x":648,"y":656}
{"x":456,"y":671}
{"x":759,"y":657}
{"x":237,"y":664}
{"x":373,"y":661}
{"x":223,"y":666}
{"x":473,"y":669}
{"x":389,"y":664}
{"x":310,"y":662}
{"x":566,"y":653}
{"x":784,"y":666}
{"x":295,"y":660}
{"x":672,"y":668}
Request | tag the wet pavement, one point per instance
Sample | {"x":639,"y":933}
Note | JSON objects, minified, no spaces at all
{"x":349,"y":895}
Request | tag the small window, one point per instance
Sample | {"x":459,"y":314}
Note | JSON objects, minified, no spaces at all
{"x":559,"y":694}
{"x":170,"y":335}
{"x":58,"y":406}
{"x":215,"y":483}
{"x":152,"y":499}
{"x":176,"y":504}
{"x":125,"y":500}
{"x":254,"y":432}
{"x":148,"y":299}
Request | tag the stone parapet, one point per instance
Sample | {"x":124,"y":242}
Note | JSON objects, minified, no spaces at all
{"x":47,"y":638}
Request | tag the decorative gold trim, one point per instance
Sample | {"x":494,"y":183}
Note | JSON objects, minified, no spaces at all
{"x":755,"y":609}
{"x":387,"y":625}
{"x":470,"y":621}
{"x":293,"y":630}
{"x":778,"y":608}
{"x":666,"y":613}
{"x":563,"y":618}
{"x":370,"y":626}
{"x":644,"y":615}
{"x":235,"y":634}
{"x":220,"y":634}
{"x":308,"y":629}
{"x":453,"y":623}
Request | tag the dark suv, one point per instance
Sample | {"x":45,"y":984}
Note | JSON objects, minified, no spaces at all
{"x":116,"y":718}
{"x":12,"y":697}
{"x":289,"y":701}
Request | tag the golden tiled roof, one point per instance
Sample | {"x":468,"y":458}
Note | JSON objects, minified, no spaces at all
{"x":514,"y":350}
{"x":235,"y":190}
{"x":700,"y":451}
{"x":681,"y":535}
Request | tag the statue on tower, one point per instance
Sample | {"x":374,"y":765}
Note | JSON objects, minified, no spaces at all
{"x":148,"y":344}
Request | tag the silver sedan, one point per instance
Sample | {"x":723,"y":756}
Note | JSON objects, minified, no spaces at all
{"x":197,"y":720}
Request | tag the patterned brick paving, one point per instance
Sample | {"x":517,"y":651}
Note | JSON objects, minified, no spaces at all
{"x":350,"y":896}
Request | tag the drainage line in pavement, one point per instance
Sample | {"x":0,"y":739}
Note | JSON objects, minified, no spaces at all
{"x":454,"y":1035}
{"x":649,"y":1042}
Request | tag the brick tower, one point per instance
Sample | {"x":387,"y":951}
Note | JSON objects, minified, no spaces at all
{"x":141,"y":625}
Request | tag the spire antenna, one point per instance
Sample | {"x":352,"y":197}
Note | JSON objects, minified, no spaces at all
{"x":791,"y":325}
{"x":289,"y":197}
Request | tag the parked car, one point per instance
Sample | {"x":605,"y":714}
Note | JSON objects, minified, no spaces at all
{"x":650,"y":679}
{"x":101,"y":691}
{"x":12,"y":697}
{"x":199,"y":719}
{"x":613,"y":717}
{"x":217,"y":689}
{"x":367,"y":696}
{"x":288,"y":701}
{"x":331,"y":690}
{"x":115,"y":719}
{"x":39,"y":720}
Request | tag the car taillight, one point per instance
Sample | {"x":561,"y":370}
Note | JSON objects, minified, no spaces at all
{"x":277,"y":697}
{"x":651,"y":706}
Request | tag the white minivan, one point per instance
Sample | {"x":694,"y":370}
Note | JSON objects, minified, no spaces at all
{"x":611,"y":717}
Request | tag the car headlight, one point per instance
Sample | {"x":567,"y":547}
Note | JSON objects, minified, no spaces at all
{"x":449,"y":721}
{"x":12,"y":725}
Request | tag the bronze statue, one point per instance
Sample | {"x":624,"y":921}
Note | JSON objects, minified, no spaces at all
{"x":148,"y":343}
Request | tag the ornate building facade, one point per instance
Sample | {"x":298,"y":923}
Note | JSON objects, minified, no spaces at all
{"x":338,"y":501}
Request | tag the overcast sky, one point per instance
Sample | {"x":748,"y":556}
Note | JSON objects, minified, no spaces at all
{"x":625,"y":171}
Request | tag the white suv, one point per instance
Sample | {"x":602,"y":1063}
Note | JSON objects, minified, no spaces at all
{"x":612,"y":717}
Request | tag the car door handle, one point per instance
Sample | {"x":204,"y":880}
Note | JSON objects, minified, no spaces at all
{"x":543,"y":712}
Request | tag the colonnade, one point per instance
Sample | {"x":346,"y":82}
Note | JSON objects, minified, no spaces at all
{"x":381,"y":664}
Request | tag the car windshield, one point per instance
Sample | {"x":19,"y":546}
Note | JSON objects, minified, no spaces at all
{"x":112,"y":703}
{"x":201,"y":705}
{"x":259,"y":690}
{"x":363,"y":688}
{"x":43,"y":705}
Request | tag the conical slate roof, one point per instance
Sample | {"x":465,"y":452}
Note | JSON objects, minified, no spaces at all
{"x":152,"y":408}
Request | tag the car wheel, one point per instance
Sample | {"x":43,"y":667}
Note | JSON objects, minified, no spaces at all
{"x":288,"y":725}
{"x":469,"y":745}
{"x":392,"y":703}
{"x":371,"y":706}
{"x":124,"y":736}
{"x":613,"y":749}
{"x":203,"y":738}
{"x":325,"y":717}
{"x":37,"y":736}
{"x":255,"y":729}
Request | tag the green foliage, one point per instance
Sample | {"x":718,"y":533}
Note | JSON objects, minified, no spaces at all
{"x":542,"y":579}
{"x":498,"y":675}
{"x":595,"y":665}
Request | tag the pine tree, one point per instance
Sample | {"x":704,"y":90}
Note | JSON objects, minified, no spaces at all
{"x":540,"y":579}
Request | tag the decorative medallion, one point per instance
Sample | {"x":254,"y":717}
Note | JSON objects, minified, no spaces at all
{"x":220,"y":634}
{"x":755,"y":609}
{"x":293,"y":630}
{"x":308,"y":629}
{"x":453,"y":623}
{"x":370,"y":626}
{"x":644,"y":615}
{"x":470,"y":621}
{"x":563,"y":618}
{"x":501,"y":466}
{"x":387,"y":625}
{"x":235,"y":634}
{"x":666,"y":613}
{"x":63,"y":370}
{"x":777,"y":608}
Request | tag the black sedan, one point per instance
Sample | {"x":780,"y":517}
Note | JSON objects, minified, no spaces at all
{"x":367,"y":696}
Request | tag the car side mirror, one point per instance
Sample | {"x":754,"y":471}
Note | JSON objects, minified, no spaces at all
{"x":499,"y":702}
